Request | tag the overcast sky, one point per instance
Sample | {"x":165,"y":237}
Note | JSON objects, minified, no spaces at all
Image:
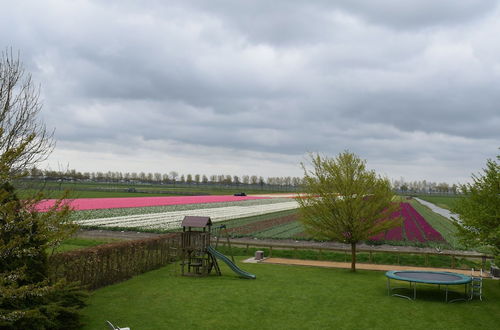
{"x":250,"y":87}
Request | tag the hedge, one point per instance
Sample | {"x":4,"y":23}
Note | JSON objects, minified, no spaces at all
{"x":103,"y":265}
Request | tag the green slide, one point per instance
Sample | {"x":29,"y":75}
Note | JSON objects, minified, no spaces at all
{"x":231,"y":264}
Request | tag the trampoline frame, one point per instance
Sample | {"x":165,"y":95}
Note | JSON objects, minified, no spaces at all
{"x":393,"y":274}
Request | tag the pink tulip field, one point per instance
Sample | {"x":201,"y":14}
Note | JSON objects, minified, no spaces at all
{"x":113,"y":203}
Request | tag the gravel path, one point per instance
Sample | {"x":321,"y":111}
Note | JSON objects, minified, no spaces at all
{"x":132,"y":235}
{"x":347,"y":247}
{"x":113,"y":234}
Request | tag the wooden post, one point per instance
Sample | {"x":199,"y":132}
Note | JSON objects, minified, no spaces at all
{"x":426,"y":259}
{"x":270,"y":251}
{"x":229,"y":245}
{"x":452,"y":261}
{"x":483,"y":263}
{"x":371,"y":257}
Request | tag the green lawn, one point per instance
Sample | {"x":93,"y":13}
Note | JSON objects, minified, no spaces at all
{"x":446,"y":202}
{"x":444,"y":226}
{"x":102,"y":190}
{"x":282,"y":297}
{"x":80,"y":243}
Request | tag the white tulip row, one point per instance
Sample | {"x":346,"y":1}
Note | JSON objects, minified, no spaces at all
{"x":172,"y":220}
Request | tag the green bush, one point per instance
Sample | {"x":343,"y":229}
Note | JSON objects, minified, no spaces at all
{"x":102,"y":265}
{"x":28,"y":298}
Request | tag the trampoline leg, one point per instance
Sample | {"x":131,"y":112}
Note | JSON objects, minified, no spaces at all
{"x":446,"y":299}
{"x":388,"y":286}
{"x":414,"y":290}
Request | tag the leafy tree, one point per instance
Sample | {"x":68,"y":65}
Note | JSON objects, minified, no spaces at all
{"x":29,"y":299}
{"x":479,"y":210}
{"x":346,"y":203}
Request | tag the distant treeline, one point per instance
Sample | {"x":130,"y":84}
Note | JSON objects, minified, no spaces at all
{"x":162,"y":178}
{"x":424,"y":187}
{"x":288,"y":183}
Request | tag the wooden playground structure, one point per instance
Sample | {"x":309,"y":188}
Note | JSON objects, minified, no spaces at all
{"x":195,"y":240}
{"x":198,"y":257}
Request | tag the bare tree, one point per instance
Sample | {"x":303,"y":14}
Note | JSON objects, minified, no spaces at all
{"x":20,"y":127}
{"x":174,"y":175}
{"x":254,"y":179}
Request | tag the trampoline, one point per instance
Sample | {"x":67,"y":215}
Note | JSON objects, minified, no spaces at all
{"x":427,"y":277}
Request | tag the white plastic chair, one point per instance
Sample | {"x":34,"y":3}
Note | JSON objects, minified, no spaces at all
{"x":112,"y":327}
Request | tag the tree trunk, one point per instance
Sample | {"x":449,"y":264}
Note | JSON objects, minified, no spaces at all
{"x":353,"y":257}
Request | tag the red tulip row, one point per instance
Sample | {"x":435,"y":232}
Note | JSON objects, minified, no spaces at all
{"x":412,"y":230}
{"x":416,"y":228}
{"x":428,"y":233}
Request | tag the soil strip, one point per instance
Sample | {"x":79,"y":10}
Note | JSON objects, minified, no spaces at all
{"x":347,"y":265}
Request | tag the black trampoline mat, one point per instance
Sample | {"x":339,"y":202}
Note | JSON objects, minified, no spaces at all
{"x":431,"y":277}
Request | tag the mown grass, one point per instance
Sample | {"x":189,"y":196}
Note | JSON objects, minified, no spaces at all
{"x":282,"y":297}
{"x":446,"y":202}
{"x":80,"y":243}
{"x":103,"y":190}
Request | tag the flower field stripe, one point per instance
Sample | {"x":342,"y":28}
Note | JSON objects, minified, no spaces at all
{"x":411,"y":229}
{"x":430,"y":233}
{"x":172,"y":220}
{"x":111,"y":203}
{"x":414,"y":228}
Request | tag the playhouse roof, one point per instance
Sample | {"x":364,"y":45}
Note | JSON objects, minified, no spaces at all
{"x":192,"y":221}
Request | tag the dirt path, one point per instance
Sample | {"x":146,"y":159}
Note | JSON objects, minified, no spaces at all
{"x":347,"y":265}
{"x":347,"y":247}
{"x":132,"y":235}
{"x":113,"y":234}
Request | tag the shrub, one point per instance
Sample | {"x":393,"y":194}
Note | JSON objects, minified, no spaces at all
{"x":103,"y":265}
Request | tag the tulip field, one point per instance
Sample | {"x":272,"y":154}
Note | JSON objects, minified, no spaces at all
{"x":260,"y":217}
{"x":415,"y":228}
{"x":166,"y":213}
{"x":130,"y":202}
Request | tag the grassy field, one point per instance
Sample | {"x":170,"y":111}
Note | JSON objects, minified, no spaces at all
{"x":98,"y":190}
{"x":444,"y":226}
{"x":282,"y":297}
{"x":80,"y":243}
{"x":446,"y":202}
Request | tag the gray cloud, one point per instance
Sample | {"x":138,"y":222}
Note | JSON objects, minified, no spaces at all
{"x":404,"y":84}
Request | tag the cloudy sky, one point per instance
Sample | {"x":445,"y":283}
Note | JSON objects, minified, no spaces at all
{"x":250,"y":87}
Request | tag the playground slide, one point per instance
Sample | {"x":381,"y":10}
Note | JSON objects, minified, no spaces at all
{"x":231,"y":265}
